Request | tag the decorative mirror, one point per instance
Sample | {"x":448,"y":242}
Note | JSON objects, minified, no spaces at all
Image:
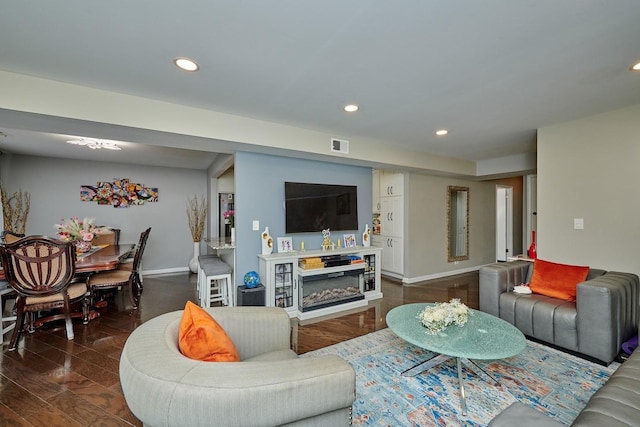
{"x":457,"y":223}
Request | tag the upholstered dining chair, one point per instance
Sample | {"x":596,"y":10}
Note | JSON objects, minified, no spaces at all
{"x":10,"y":236}
{"x":122,"y":277}
{"x":40,"y":269}
{"x":112,"y":237}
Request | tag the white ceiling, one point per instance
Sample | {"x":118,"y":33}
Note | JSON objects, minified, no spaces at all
{"x":490,"y":71}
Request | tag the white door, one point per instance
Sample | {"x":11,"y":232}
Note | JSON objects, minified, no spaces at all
{"x":504,"y":222}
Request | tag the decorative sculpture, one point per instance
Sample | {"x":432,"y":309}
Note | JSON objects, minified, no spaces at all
{"x":366,"y":236}
{"x":267,"y":242}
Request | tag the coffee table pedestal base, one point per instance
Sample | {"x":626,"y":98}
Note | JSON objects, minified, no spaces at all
{"x":441,"y":358}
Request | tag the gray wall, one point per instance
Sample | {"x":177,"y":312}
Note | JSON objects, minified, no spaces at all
{"x":259,"y":186}
{"x":426,"y":227}
{"x":588,"y":169}
{"x":54,"y":185}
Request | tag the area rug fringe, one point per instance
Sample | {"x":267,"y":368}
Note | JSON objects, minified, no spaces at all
{"x":546,"y":379}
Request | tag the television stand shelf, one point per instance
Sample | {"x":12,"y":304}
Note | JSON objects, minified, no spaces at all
{"x":352,"y":280}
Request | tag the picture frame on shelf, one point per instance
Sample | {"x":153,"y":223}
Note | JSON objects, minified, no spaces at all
{"x":349,"y":240}
{"x":285,"y":244}
{"x":281,"y":300}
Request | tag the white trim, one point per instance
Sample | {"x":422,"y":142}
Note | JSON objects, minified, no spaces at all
{"x":441,"y":275}
{"x":166,"y":271}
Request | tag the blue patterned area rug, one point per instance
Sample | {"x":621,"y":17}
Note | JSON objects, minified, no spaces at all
{"x":551,"y":381}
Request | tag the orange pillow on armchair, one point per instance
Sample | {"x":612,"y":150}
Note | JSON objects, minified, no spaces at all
{"x":557,"y":280}
{"x":202,"y":338}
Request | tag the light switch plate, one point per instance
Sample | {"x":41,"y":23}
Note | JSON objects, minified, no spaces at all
{"x":256,"y":225}
{"x":578,"y":223}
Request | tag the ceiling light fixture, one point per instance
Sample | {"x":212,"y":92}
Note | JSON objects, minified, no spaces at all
{"x":95,"y":144}
{"x":442,"y":132}
{"x":635,"y":67}
{"x":351,"y":108}
{"x":186,"y":64}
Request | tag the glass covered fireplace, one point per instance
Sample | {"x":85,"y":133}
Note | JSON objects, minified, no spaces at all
{"x":329,"y":289}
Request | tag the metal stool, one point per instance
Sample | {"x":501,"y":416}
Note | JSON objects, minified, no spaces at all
{"x":216,"y":282}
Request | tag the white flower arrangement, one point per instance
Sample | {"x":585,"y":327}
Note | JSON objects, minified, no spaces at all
{"x":440,"y":315}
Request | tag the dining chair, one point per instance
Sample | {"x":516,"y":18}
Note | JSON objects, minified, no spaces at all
{"x":40,"y":270}
{"x":122,"y":277}
{"x":112,"y":237}
{"x":10,"y":236}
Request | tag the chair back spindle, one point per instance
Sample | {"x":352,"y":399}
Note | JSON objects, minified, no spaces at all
{"x":38,"y":265}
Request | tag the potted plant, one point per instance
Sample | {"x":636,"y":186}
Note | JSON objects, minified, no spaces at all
{"x":196,"y":215}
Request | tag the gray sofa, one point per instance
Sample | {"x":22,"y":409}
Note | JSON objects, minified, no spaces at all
{"x":604,"y":315}
{"x":270,"y":386}
{"x":616,"y":404}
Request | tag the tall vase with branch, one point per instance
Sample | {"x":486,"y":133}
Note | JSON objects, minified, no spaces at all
{"x":15,"y":209}
{"x":196,"y":215}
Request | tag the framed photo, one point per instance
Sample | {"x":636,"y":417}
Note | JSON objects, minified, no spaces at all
{"x":349,"y":240}
{"x":281,"y":300}
{"x":285,"y":244}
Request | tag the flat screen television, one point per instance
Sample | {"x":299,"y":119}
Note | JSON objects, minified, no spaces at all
{"x":315,"y":207}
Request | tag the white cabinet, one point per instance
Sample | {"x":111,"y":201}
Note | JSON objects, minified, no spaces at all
{"x":281,"y":282}
{"x":392,"y":222}
{"x":372,"y":268}
{"x":306,"y":288}
{"x":391,"y":183}
{"x":392,"y":254}
{"x":392,"y":216}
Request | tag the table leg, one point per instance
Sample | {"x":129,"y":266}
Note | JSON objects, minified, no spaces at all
{"x":479,"y":371}
{"x":441,"y":358}
{"x":463,"y":399}
{"x":427,"y":364}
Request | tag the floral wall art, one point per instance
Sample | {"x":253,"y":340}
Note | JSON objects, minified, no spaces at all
{"x":120,"y":193}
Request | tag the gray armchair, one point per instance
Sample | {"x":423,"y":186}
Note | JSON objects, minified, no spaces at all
{"x":270,"y":386}
{"x":604,"y":315}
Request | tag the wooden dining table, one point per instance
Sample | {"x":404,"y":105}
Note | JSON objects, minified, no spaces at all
{"x":103,"y":259}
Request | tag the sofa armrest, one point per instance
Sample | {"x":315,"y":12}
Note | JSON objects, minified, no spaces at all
{"x":264,"y":393}
{"x":607,"y":313}
{"x":255,"y":330}
{"x":497,"y":278}
{"x":518,"y":414}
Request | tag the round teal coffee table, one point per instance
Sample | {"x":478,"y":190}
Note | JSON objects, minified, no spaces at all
{"x":483,"y":337}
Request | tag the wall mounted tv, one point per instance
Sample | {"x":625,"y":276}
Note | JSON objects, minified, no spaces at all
{"x":315,"y":207}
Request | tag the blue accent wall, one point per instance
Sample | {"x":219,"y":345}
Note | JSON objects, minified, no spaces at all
{"x":259,"y":193}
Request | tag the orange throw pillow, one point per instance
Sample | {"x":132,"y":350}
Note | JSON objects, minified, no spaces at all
{"x":202,"y":338}
{"x":557,"y":280}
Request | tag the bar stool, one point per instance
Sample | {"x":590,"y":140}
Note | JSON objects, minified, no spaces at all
{"x":201,"y":276}
{"x":216,"y":282}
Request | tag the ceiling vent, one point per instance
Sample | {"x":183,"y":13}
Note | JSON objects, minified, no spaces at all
{"x":340,"y":146}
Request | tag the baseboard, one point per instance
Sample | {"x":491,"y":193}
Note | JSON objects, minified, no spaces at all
{"x":165,"y":271}
{"x":410,"y":280}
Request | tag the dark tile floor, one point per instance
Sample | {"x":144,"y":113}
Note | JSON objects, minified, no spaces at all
{"x":49,"y":381}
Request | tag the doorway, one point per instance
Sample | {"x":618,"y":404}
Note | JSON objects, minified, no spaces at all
{"x":226,"y":204}
{"x":504,"y":222}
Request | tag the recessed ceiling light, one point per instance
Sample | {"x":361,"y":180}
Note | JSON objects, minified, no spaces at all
{"x":95,"y":144}
{"x":351,"y":108}
{"x":635,"y":67}
{"x":442,"y":132}
{"x":186,"y":64}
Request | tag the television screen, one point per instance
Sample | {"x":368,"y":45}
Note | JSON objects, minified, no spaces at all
{"x":315,"y":207}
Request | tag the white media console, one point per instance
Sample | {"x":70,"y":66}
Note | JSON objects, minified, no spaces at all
{"x":310,"y":284}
